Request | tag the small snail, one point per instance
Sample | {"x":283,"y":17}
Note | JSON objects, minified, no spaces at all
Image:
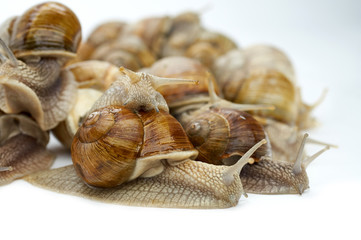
{"x":41,"y":41}
{"x":22,"y":148}
{"x":221,"y":131}
{"x":262,"y":74}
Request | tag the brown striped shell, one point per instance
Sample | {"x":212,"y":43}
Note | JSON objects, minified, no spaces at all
{"x":115,"y":145}
{"x":259,"y":75}
{"x":221,"y":133}
{"x":104,"y":33}
{"x":185,"y":68}
{"x":47,"y":29}
{"x":127,"y":51}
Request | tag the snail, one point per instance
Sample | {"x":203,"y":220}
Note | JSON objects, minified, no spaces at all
{"x":263,"y":74}
{"x":141,"y":143}
{"x":115,"y":145}
{"x":22,"y":148}
{"x":95,"y":77}
{"x":41,"y":41}
{"x":221,"y":132}
{"x":189,"y":184}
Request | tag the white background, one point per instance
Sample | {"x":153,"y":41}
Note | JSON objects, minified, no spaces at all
{"x":323,"y":39}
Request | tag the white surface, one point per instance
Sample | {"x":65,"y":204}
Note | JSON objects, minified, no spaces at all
{"x":323,"y":40}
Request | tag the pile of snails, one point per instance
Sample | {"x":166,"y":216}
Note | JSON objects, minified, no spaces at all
{"x":161,"y":112}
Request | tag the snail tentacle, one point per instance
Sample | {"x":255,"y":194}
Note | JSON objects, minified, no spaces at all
{"x":297,"y":167}
{"x":228,"y":175}
{"x":9,"y":53}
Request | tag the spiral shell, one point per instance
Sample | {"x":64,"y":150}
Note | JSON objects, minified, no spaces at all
{"x":259,"y":75}
{"x":47,"y":29}
{"x":221,"y":134}
{"x":115,"y":145}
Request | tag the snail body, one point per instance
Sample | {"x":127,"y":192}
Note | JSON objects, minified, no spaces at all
{"x":20,"y":133}
{"x":280,"y":176}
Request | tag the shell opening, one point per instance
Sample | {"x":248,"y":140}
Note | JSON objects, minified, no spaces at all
{"x":9,"y":53}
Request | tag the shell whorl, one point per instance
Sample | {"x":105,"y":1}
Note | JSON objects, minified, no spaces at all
{"x":105,"y":146}
{"x":221,"y":133}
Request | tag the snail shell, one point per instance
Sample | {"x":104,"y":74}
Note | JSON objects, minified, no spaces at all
{"x":43,"y":38}
{"x":127,"y":51}
{"x":47,"y":29}
{"x":104,"y":33}
{"x":222,"y":134}
{"x":209,"y":46}
{"x":259,"y":75}
{"x":115,"y":145}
